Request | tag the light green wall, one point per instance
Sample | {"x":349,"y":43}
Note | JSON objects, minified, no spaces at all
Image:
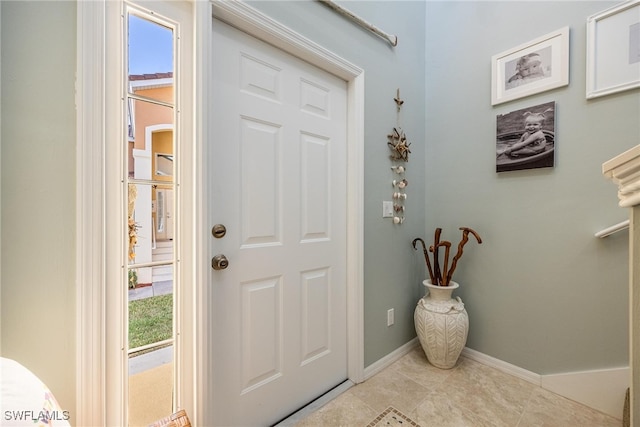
{"x":541,"y":291}
{"x":38,"y":191}
{"x":392,"y":269}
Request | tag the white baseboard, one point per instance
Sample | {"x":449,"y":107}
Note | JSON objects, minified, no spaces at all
{"x":602,"y":390}
{"x":502,"y":366}
{"x":386,"y":361}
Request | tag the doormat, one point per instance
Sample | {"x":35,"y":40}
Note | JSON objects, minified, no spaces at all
{"x":392,"y":417}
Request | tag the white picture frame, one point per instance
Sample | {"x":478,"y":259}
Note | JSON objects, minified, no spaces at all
{"x":511,"y":77}
{"x":613,"y":50}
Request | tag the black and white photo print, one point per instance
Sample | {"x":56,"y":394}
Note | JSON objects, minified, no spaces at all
{"x":526,"y":138}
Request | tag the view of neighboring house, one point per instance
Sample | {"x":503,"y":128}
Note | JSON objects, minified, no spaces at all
{"x":151,"y":158}
{"x":150,"y":164}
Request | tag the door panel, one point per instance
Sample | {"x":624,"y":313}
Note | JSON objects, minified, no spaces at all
{"x":279,"y":186}
{"x":315,"y":185}
{"x":315,"y":314}
{"x":261,"y":182}
{"x":261,"y":332}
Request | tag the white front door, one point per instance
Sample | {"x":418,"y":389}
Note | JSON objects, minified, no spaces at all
{"x":279,"y":186}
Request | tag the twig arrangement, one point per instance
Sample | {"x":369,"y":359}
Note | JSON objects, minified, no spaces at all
{"x":399,"y":145}
{"x":443,"y":277}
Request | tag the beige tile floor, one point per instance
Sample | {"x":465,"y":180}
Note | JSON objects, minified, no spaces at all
{"x":470,"y":394}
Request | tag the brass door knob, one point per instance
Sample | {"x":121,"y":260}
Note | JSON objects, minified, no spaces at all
{"x":219,"y":262}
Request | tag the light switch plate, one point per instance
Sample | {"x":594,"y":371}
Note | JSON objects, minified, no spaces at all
{"x":387,"y":209}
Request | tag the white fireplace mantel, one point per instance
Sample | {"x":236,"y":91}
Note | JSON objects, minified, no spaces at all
{"x":624,"y":171}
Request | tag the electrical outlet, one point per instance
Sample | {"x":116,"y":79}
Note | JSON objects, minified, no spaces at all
{"x":390,"y":317}
{"x":387,"y":209}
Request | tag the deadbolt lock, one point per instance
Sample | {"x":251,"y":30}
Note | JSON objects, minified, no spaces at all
{"x":219,"y":262}
{"x":219,"y":231}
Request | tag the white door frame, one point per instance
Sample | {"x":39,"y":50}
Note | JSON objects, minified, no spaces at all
{"x":99,"y":398}
{"x":91,"y":407}
{"x":101,"y":388}
{"x":256,"y":24}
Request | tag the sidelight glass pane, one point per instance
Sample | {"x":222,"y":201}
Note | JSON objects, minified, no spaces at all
{"x":150,"y":231}
{"x":150,"y":140}
{"x":151,"y":161}
{"x":140,"y":227}
{"x":150,"y":321}
{"x":163,"y":218}
{"x":150,"y":48}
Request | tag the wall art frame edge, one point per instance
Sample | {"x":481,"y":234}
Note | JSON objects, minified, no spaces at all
{"x":560,"y":77}
{"x":592,"y":91}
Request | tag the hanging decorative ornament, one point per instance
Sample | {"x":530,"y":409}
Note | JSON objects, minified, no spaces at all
{"x":399,"y":145}
{"x":400,"y":184}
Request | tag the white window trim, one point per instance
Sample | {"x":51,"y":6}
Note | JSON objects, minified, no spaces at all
{"x":96,"y":342}
{"x":101,"y":389}
{"x":90,"y":277}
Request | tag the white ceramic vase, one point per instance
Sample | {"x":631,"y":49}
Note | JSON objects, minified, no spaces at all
{"x":442,"y":325}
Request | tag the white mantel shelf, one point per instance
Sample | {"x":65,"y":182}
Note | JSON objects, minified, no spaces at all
{"x":624,"y":170}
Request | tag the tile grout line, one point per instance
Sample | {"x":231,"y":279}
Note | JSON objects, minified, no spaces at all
{"x":526,"y":407}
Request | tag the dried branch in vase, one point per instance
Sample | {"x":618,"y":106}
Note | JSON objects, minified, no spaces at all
{"x":442,"y":277}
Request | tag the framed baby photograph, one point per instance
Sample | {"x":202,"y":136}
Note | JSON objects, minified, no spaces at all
{"x":525,"y":138}
{"x":537,"y":66}
{"x":613,"y":50}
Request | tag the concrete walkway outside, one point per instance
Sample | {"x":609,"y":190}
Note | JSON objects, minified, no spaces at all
{"x":156,"y":288}
{"x":150,"y":360}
